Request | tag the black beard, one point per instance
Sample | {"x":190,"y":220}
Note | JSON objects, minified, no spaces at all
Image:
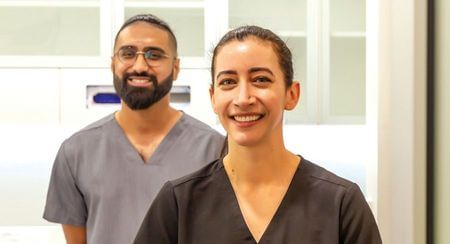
{"x":139,"y":98}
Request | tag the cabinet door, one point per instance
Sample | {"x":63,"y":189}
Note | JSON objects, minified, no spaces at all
{"x":344,"y":87}
{"x":42,"y":29}
{"x":29,"y":96}
{"x":75,"y":108}
{"x":186,"y":18}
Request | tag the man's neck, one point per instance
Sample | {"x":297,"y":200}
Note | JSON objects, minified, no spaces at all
{"x":146,"y":129}
{"x":156,"y":118}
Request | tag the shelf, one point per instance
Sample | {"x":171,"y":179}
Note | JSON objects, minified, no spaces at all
{"x":163,"y":4}
{"x":292,"y":33}
{"x":50,"y":3}
{"x":54,"y":62}
{"x":345,"y":34}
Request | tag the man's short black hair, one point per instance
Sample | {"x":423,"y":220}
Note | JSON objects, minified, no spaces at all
{"x":153,"y":20}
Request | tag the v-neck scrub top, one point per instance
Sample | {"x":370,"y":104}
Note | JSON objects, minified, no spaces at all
{"x":318,"y":208}
{"x":100,"y":181}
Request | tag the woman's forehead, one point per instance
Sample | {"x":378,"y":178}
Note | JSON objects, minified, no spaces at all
{"x":251,"y":49}
{"x":246,"y":44}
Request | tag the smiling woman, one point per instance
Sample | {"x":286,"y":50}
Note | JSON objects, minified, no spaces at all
{"x":249,"y":92}
{"x":259,"y":192}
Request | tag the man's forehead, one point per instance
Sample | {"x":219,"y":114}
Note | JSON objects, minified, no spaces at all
{"x":141,"y":26}
{"x":142,"y":31}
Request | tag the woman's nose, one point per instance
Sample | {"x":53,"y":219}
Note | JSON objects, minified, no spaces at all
{"x":244,"y":95}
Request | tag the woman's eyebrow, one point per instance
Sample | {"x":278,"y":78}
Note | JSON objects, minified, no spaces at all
{"x":258,"y":69}
{"x":226,"y":72}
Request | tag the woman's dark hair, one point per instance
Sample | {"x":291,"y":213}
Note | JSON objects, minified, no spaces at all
{"x":153,"y":20}
{"x":242,"y":33}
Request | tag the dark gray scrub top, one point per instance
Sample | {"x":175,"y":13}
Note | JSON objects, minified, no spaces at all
{"x":100,"y":181}
{"x":318,"y":208}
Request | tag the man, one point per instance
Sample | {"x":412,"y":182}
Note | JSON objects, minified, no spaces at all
{"x":106,"y":175}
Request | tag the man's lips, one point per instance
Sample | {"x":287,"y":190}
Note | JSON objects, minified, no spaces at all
{"x":139,"y":80}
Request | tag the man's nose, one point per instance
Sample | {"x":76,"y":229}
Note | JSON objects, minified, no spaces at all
{"x":140,"y":65}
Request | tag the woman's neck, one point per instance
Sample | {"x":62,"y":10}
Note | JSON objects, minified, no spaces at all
{"x":260,"y":164}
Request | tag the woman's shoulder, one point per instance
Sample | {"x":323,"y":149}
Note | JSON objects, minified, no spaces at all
{"x":319,"y":175}
{"x":206,"y":173}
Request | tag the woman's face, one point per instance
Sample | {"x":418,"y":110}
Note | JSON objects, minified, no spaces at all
{"x":250,"y":94}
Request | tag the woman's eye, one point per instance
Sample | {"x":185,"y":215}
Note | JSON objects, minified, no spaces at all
{"x":226,"y":82}
{"x":262,"y":79}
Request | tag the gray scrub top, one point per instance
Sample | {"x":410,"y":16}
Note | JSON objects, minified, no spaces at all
{"x":318,"y":208}
{"x":100,"y":181}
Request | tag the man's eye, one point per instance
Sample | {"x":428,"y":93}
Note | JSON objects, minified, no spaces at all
{"x":127,"y":54}
{"x":154,"y":55}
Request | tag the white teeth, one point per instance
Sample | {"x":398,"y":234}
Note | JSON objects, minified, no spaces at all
{"x":247,"y":118}
{"x":139,"y":81}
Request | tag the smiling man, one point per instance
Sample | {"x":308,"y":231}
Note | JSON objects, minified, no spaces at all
{"x":106,"y":175}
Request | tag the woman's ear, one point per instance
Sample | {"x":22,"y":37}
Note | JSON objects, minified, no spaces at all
{"x":292,"y":96}
{"x":211,"y":97}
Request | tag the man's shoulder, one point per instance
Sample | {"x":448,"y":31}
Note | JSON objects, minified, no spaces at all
{"x":197,"y":125}
{"x":91,"y":130}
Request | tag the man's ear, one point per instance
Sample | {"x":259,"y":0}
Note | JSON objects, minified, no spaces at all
{"x":211,"y":97}
{"x":176,"y":68}
{"x":292,"y":96}
{"x":112,"y":64}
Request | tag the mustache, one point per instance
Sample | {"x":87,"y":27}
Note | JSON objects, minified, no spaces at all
{"x":151,"y":77}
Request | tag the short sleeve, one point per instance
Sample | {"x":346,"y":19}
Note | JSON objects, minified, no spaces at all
{"x":160,"y":224}
{"x":65,"y":203}
{"x":357,"y":223}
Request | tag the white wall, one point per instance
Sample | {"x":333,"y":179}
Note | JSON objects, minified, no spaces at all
{"x":402,"y":117}
{"x":442,"y":123}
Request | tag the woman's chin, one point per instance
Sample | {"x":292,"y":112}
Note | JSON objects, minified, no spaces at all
{"x":245,"y":140}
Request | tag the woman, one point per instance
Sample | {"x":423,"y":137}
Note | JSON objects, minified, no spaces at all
{"x":259,"y":192}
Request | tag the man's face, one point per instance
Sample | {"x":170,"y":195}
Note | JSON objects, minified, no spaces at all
{"x":137,"y":98}
{"x":144,"y":80}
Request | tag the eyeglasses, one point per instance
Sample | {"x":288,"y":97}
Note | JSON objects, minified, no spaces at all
{"x":153,"y":57}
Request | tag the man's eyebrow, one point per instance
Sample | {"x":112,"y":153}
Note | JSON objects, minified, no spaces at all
{"x":144,"y":49}
{"x":153,"y":48}
{"x":226,"y":72}
{"x":258,"y":69}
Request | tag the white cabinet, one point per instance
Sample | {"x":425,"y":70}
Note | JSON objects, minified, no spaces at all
{"x":327,"y":38}
{"x":44,"y":28}
{"x":29,"y":96}
{"x":187,"y":20}
{"x":52,"y":34}
{"x":74,"y":97}
{"x":344,"y":61}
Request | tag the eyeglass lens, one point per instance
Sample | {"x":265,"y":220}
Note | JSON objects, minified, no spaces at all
{"x":153,"y":57}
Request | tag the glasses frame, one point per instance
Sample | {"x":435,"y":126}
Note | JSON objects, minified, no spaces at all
{"x":137,"y":53}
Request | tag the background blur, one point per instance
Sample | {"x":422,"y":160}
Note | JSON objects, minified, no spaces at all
{"x":363,"y":112}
